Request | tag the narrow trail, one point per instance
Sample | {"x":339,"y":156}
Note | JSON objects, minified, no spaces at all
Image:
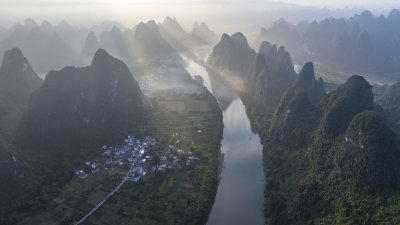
{"x":108,"y":196}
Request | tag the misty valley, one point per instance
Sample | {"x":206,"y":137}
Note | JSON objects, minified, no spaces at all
{"x":294,"y":122}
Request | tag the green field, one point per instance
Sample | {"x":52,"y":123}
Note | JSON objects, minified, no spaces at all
{"x":182,"y":195}
{"x":333,"y":78}
{"x":77,"y":197}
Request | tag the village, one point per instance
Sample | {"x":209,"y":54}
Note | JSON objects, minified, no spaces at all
{"x":140,"y":156}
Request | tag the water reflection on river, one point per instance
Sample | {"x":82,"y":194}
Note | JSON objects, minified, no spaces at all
{"x":239,"y":200}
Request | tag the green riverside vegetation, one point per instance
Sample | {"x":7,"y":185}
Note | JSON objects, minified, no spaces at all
{"x":334,"y":161}
{"x":76,"y":111}
{"x":182,"y":195}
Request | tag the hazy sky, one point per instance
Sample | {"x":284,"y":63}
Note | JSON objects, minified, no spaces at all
{"x":343,"y":3}
{"x":330,"y":3}
{"x":215,"y":12}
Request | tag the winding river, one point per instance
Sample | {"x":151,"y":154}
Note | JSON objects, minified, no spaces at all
{"x":239,"y":199}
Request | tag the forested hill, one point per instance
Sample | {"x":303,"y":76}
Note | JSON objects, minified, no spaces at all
{"x":75,"y":111}
{"x":100,"y":101}
{"x":390,"y":101}
{"x":332,"y":162}
{"x":17,"y":82}
{"x":269,"y":76}
{"x":232,"y":53}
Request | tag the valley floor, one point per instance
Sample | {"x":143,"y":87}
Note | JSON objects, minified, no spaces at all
{"x":182,"y":195}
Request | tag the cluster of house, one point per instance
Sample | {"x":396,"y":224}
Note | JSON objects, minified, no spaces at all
{"x":126,"y":154}
{"x":135,"y":153}
{"x":168,"y":159}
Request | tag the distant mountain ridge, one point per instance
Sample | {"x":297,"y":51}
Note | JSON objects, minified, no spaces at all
{"x":33,"y":40}
{"x":232,"y":53}
{"x":117,"y":42}
{"x":91,"y":45}
{"x":176,"y":36}
{"x":150,"y":45}
{"x":271,"y":74}
{"x":143,"y":45}
{"x":364,"y":42}
{"x":390,"y":102}
{"x":75,"y":45}
{"x":204,"y":33}
{"x":260,"y":78}
{"x":182,"y":40}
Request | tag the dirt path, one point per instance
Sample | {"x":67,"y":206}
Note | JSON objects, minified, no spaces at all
{"x":108,"y":196}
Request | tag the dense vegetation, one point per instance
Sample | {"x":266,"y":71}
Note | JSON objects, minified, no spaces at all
{"x":390,"y":102}
{"x":332,"y":162}
{"x":73,"y":113}
{"x":103,"y":100}
{"x":232,"y":53}
{"x":270,"y":75}
{"x":182,"y":195}
{"x":17,"y":82}
{"x":261,"y":78}
{"x":328,"y":158}
{"x":76,"y":110}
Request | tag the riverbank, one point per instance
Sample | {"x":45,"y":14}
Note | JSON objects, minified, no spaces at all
{"x":239,"y":199}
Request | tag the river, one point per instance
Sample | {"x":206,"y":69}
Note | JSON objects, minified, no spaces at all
{"x":239,"y":199}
